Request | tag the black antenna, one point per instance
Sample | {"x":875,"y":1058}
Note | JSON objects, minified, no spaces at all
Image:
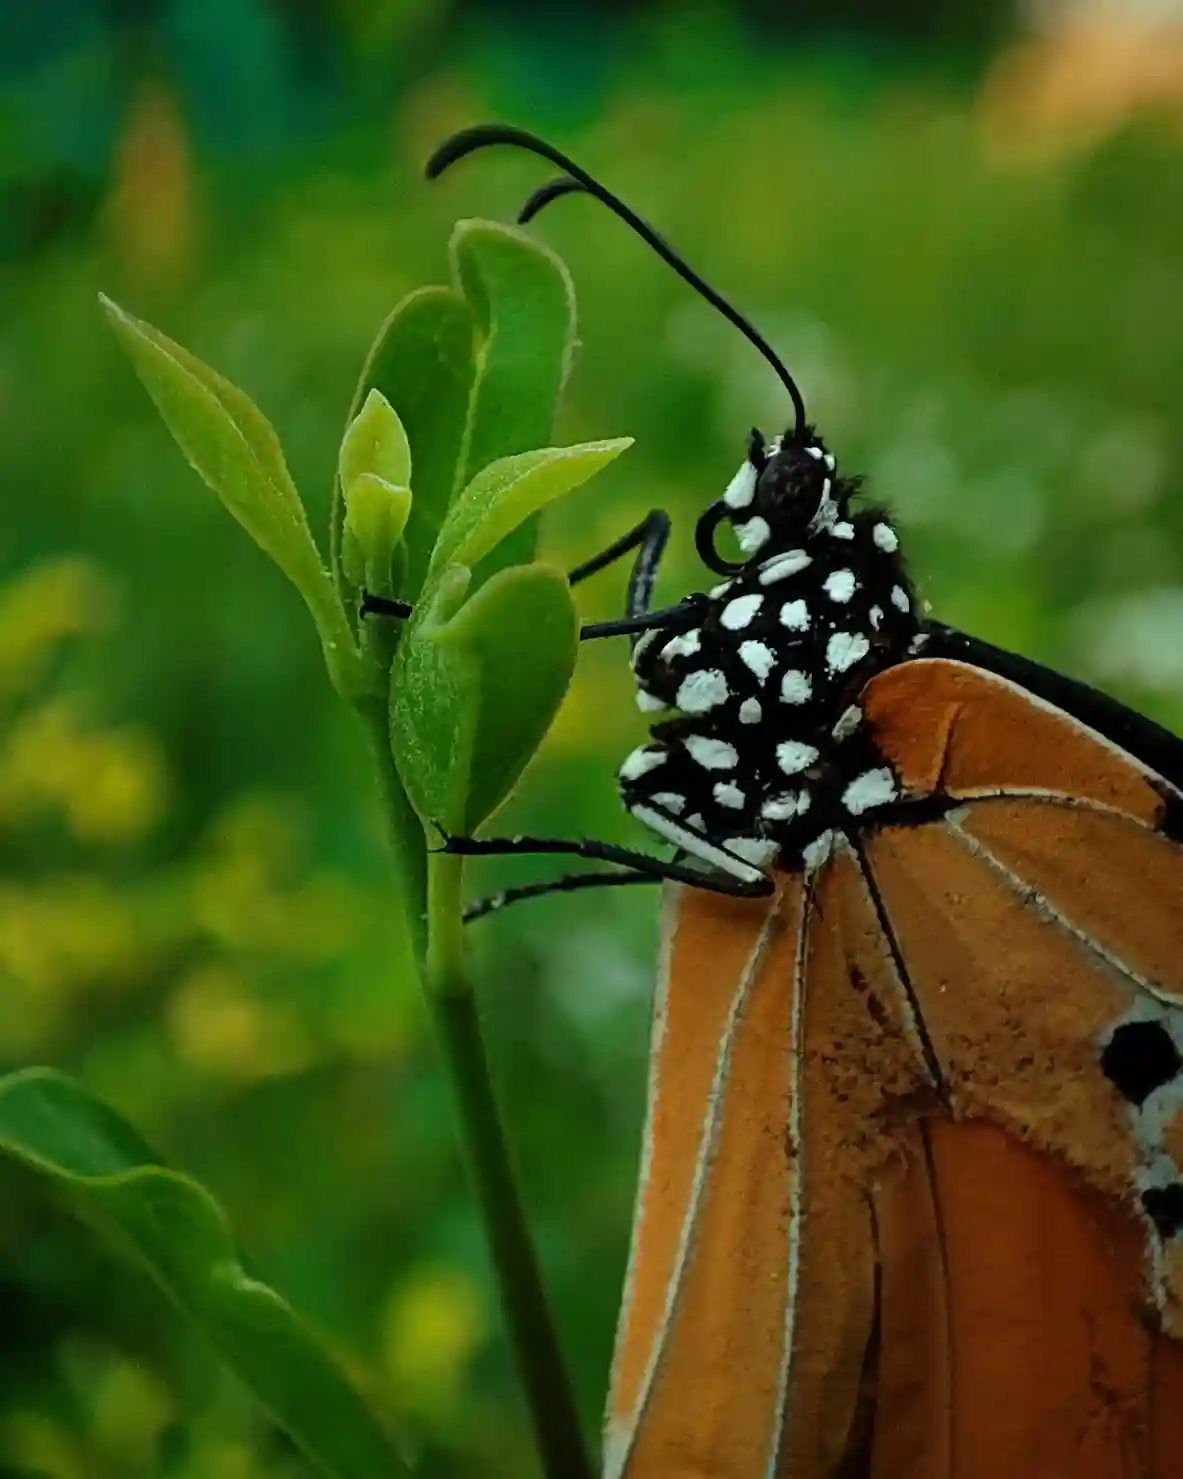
{"x":552,"y":190}
{"x":468,"y":140}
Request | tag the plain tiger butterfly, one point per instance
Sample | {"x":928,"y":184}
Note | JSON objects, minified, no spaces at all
{"x":911,"y":1197}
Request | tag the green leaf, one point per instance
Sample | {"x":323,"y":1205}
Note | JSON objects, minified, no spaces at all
{"x":424,"y":363}
{"x":376,"y":514}
{"x":524,"y":303}
{"x":506,"y":493}
{"x":521,"y":631}
{"x":478,"y":690}
{"x":475,"y":374}
{"x":177,"y":1229}
{"x":434,"y":697}
{"x":233,"y":448}
{"x":376,"y":444}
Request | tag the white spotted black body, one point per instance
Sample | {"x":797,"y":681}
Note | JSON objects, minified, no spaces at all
{"x":765,"y":756}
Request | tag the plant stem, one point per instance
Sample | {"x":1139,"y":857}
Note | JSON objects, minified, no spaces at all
{"x":402,"y":824}
{"x":531,"y":1326}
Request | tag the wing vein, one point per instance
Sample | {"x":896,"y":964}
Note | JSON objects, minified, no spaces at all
{"x":710,"y":1136}
{"x":931,"y":1061}
{"x":793,"y":1279}
{"x":1046,"y":910}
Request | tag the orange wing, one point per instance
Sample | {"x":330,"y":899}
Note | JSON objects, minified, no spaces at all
{"x":1040,"y":928}
{"x":908,"y":1206}
{"x":750,"y":1300}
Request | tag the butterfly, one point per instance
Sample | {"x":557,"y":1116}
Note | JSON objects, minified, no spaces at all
{"x":911,"y":1191}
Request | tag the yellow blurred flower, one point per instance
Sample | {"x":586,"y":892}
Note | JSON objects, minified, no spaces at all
{"x":108,"y":785}
{"x":218,"y":1027}
{"x":53,"y":600}
{"x":434,"y":1321}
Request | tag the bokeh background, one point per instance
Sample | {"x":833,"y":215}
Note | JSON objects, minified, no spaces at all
{"x":962,"y":225}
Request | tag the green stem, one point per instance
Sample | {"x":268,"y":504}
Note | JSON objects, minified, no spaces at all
{"x":401,"y":824}
{"x":531,"y":1326}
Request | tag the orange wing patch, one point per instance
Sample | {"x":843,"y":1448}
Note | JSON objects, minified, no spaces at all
{"x":1027,"y":1356}
{"x":700,"y":1349}
{"x":1117,"y":884}
{"x":955,"y":729}
{"x":1042,"y":927}
{"x":862,"y":1076}
{"x":1015,"y":1007}
{"x":715,"y":943}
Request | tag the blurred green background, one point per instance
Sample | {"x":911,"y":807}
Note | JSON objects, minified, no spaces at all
{"x":963,"y":231}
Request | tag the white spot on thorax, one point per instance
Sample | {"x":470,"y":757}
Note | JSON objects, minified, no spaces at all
{"x":700,"y":692}
{"x":649,"y":703}
{"x":687,"y":645}
{"x":828,"y":459}
{"x":848,"y":721}
{"x":876,"y":615}
{"x":842,"y":530}
{"x":784,"y":808}
{"x":780,"y":567}
{"x":794,"y":756}
{"x":721,"y":589}
{"x":872,"y":788}
{"x":899,"y":598}
{"x":750,"y":711}
{"x":727,"y":793}
{"x":711,"y":754}
{"x":839,"y":585}
{"x":738,"y":614}
{"x":758,"y":658}
{"x":814,"y":451}
{"x":669,"y":801}
{"x":844,"y":649}
{"x":641,"y":762}
{"x":742,"y":487}
{"x":794,"y":616}
{"x":795,"y":687}
{"x":753,"y":535}
{"x":885,"y":538}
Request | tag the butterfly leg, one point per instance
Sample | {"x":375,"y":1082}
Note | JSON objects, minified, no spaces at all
{"x":372,"y":605}
{"x":746,"y":882}
{"x":568,"y":883}
{"x":649,"y":539}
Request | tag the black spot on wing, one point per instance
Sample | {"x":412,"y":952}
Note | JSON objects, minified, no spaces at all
{"x":1139,"y":1058}
{"x":1164,"y":1206}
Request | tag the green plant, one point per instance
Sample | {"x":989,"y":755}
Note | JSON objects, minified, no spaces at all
{"x":440,"y":474}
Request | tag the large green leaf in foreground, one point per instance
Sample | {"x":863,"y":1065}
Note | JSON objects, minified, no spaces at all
{"x":479,"y":683}
{"x":178,"y":1230}
{"x":474,"y":371}
{"x":232,"y":446}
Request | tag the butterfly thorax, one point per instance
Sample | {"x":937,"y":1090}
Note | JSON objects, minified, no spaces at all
{"x":764,"y":755}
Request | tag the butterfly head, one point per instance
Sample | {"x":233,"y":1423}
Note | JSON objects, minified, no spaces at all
{"x":785,"y":491}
